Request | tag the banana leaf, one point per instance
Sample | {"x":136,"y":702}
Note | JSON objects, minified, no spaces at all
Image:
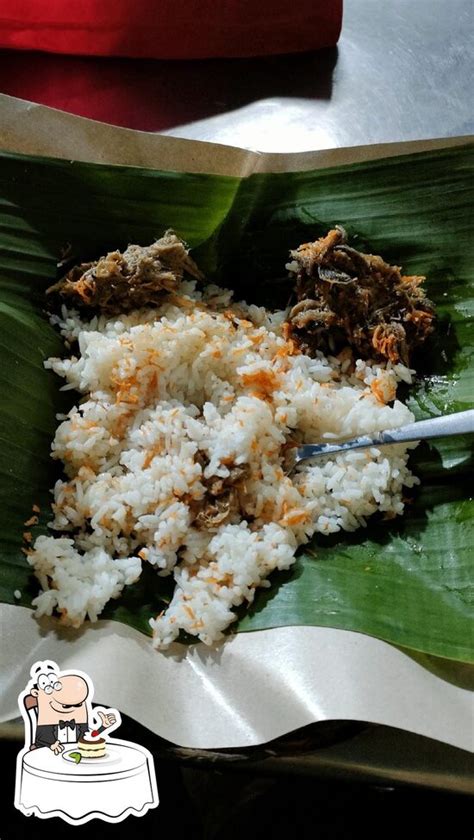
{"x":408,"y":581}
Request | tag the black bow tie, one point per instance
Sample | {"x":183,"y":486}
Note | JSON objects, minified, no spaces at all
{"x":70,"y":723}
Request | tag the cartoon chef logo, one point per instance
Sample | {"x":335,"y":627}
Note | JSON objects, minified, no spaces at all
{"x":63,"y":711}
{"x":69,"y":755}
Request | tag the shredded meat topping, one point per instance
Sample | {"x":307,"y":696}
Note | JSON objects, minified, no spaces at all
{"x":222,"y":496}
{"x":346,"y":297}
{"x":141,"y":276}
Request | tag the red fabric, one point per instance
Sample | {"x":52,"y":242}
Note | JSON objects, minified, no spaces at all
{"x":157,"y":95}
{"x":169,"y":28}
{"x":141,"y":94}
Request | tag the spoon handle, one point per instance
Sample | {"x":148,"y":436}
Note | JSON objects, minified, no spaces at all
{"x":460,"y":423}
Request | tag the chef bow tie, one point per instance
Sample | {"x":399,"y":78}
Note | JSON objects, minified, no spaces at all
{"x":70,"y":723}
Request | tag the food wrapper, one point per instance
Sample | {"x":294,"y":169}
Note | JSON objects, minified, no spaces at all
{"x":254,"y":686}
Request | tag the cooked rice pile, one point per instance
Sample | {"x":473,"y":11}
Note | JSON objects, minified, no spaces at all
{"x":178,"y":453}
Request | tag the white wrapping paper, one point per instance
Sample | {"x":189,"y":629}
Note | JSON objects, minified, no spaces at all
{"x":248,"y":690}
{"x":255,"y":686}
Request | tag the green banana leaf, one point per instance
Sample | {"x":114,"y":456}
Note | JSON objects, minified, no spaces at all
{"x":406,"y":581}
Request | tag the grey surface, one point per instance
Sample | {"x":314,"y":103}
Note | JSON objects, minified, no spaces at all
{"x":402,"y":71}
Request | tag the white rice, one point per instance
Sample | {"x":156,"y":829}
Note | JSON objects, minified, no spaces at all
{"x":210,"y":376}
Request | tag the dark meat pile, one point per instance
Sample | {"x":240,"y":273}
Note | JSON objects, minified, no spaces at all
{"x":139,"y":277}
{"x":346,"y":298}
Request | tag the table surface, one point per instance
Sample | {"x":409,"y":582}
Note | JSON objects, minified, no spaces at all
{"x":120,"y":758}
{"x":402,"y":71}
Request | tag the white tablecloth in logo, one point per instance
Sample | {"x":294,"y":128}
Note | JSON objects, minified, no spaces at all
{"x":120,"y":783}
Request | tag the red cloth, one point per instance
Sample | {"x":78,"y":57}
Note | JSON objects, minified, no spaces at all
{"x":169,"y":28}
{"x":157,"y":95}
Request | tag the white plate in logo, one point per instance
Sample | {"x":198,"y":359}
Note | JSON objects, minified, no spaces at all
{"x":111,"y":757}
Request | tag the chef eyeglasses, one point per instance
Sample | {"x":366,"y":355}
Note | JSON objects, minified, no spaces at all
{"x":48,"y":689}
{"x":49,"y":683}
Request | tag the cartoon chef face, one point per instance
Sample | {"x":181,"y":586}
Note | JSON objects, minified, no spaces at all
{"x":60,"y":696}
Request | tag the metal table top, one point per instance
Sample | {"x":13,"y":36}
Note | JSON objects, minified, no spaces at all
{"x":401,"y":71}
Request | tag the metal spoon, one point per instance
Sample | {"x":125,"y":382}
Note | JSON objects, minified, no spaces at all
{"x":448,"y":425}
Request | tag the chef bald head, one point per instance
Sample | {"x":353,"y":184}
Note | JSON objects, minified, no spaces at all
{"x":58,"y":695}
